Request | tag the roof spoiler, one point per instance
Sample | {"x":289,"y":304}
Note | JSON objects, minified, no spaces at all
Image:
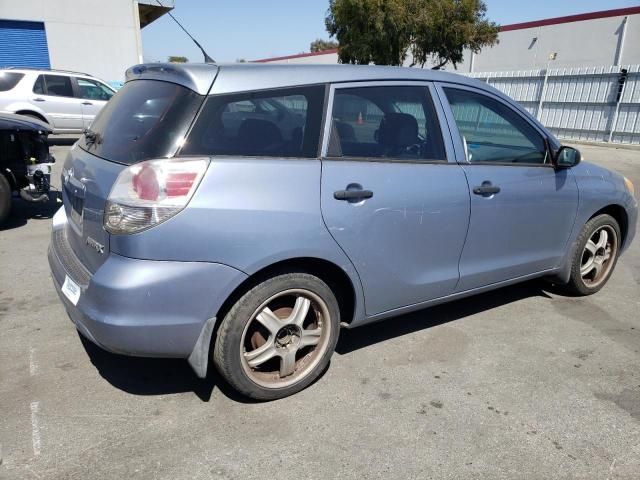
{"x":195,"y":76}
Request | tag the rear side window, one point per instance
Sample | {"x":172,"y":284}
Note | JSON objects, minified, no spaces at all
{"x":58,"y":85}
{"x":273,"y":123}
{"x":8,"y":80}
{"x":145,"y":119}
{"x":386,"y":122}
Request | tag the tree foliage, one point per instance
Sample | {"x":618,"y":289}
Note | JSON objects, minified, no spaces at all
{"x":444,"y":28}
{"x":370,"y":31}
{"x":174,"y":59}
{"x":320,"y":45}
{"x":384,"y":32}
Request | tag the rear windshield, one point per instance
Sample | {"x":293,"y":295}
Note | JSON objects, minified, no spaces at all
{"x":8,"y":80}
{"x":145,"y":119}
{"x":269,"y":123}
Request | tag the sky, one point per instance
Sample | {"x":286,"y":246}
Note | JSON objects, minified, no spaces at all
{"x":254,"y":29}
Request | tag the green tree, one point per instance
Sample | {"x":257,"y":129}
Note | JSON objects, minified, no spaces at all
{"x":445,"y":28}
{"x":385,"y":31}
{"x":320,"y":45}
{"x":174,"y":59}
{"x":370,"y":31}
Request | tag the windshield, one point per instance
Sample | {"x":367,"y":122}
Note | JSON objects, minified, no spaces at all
{"x":145,"y":119}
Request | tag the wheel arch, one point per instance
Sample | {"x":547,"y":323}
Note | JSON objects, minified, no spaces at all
{"x":619,"y":213}
{"x":33,"y":113}
{"x":335,"y":277}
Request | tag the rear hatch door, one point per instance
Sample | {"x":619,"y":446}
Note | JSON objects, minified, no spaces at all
{"x":146,"y":119}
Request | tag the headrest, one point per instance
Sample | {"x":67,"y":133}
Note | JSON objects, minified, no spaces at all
{"x":255,"y":134}
{"x":398,"y":130}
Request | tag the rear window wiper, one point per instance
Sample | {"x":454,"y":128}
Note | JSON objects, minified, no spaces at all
{"x":91,"y":137}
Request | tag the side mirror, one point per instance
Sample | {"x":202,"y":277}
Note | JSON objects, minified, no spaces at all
{"x":567,"y":157}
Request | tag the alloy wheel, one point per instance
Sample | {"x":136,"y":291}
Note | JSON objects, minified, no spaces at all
{"x":598,"y":256}
{"x":285,"y":338}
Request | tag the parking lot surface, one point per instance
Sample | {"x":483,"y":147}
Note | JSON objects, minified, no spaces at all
{"x":518,"y":383}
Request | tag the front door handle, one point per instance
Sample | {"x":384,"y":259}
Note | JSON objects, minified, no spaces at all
{"x":38,"y":99}
{"x":87,"y":103}
{"x":486,"y":189}
{"x":352,"y":194}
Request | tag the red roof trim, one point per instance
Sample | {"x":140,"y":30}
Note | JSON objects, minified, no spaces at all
{"x":299,"y":55}
{"x":619,"y":12}
{"x":572,"y":18}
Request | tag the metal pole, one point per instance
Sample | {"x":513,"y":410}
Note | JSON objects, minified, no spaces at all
{"x":542,"y":93}
{"x":614,"y":120}
{"x":473,"y":57}
{"x":623,"y":34}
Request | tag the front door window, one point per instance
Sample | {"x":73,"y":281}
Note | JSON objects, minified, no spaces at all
{"x":492,"y":132}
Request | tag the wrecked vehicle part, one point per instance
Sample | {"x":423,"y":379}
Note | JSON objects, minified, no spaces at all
{"x":25,"y":161}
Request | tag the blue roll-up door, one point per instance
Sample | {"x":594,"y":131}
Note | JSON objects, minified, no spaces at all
{"x":23,"y":44}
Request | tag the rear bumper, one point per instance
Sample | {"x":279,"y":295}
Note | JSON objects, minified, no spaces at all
{"x":141,"y":307}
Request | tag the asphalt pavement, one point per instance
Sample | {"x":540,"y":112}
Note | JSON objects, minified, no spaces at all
{"x":516,"y":383}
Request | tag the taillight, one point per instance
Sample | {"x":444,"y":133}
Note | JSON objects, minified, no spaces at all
{"x":148,"y":193}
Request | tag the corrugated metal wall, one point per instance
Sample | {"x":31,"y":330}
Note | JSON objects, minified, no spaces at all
{"x":596,"y":104}
{"x":23,"y":44}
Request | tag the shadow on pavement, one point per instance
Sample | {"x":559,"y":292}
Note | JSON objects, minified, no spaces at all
{"x":367,"y":335}
{"x":23,"y":211}
{"x":156,"y":376}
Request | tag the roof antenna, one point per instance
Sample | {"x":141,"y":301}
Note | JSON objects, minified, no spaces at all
{"x":207,"y":58}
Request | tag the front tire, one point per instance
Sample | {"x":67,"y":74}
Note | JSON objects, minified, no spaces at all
{"x":278,"y":337}
{"x":596,"y":255}
{"x":5,"y":198}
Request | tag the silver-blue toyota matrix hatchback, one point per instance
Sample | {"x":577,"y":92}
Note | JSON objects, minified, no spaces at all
{"x":245,"y":213}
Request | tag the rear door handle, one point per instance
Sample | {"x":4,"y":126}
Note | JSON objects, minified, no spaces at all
{"x":352,"y":194}
{"x":38,"y":99}
{"x":87,"y":103}
{"x":486,"y":189}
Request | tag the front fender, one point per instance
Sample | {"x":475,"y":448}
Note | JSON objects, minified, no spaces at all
{"x":598,"y":188}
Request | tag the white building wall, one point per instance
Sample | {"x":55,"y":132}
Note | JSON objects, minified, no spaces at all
{"x":92,"y":36}
{"x":577,"y":44}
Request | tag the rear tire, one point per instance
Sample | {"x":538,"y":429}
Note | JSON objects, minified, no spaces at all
{"x":278,"y":337}
{"x":596,"y":255}
{"x":5,"y":198}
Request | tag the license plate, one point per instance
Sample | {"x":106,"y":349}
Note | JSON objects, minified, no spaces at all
{"x":71,"y":290}
{"x":76,"y":209}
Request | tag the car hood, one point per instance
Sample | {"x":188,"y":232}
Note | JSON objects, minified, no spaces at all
{"x":13,"y":122}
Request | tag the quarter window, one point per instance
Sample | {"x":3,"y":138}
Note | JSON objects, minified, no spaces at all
{"x":275,"y":123}
{"x":493,"y":132}
{"x":8,"y":80}
{"x":387,"y":122}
